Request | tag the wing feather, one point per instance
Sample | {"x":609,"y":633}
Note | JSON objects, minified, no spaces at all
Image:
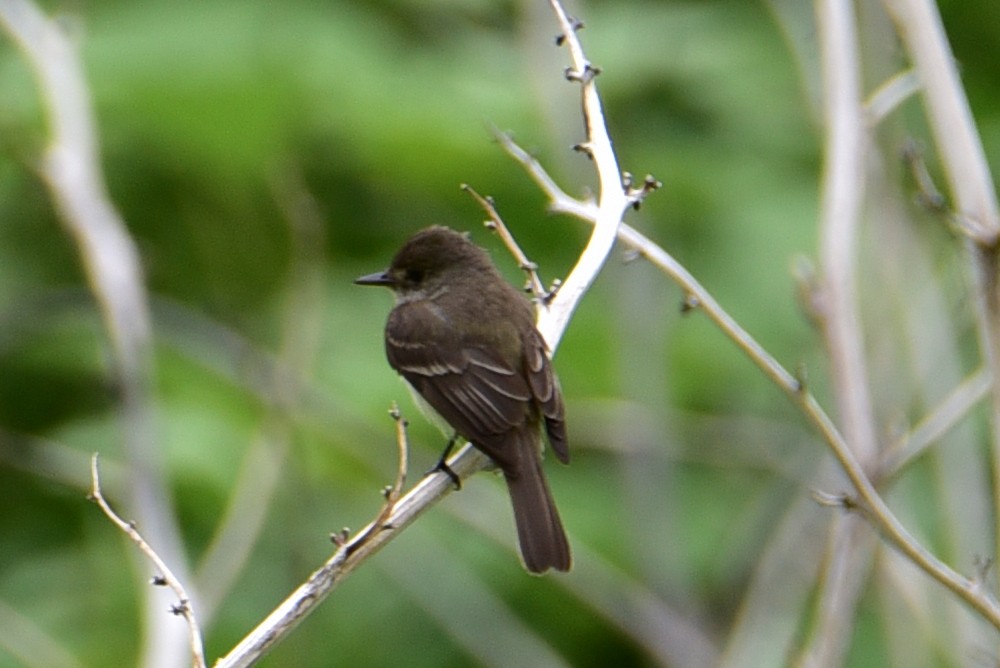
{"x":545,"y":390}
{"x":470,"y":386}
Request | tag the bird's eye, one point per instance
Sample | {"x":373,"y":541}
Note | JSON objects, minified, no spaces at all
{"x":414,"y":275}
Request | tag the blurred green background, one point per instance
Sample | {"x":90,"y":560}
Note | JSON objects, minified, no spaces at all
{"x":264,"y":154}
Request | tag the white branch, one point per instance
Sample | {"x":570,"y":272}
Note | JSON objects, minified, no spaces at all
{"x":955,"y":135}
{"x":698,"y":297}
{"x":613,"y":200}
{"x":970,"y":182}
{"x":71,"y":168}
{"x":370,"y":540}
{"x":843,"y":192}
{"x":552,"y":322}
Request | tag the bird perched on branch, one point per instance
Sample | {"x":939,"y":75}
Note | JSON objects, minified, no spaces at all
{"x":465,"y":341}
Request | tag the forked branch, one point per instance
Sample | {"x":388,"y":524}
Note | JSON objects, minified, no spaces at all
{"x":696,"y":296}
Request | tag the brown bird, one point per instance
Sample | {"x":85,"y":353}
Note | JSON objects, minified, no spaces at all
{"x":465,"y":340}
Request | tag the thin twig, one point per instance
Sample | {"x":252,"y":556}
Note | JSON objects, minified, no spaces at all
{"x":888,"y":97}
{"x":958,"y":142}
{"x":392,"y":493}
{"x":880,"y":515}
{"x":934,"y":425}
{"x":403,"y":442}
{"x":851,"y":545}
{"x":696,"y":295}
{"x":928,"y":194}
{"x":843,"y":192}
{"x":351,"y":554}
{"x":559,"y":200}
{"x":552,"y":322}
{"x":970,"y":182}
{"x":496,"y":224}
{"x":72,"y":171}
{"x":166,"y":577}
{"x":845,"y":148}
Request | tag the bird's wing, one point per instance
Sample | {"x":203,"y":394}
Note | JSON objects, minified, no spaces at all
{"x":468,"y":384}
{"x":546,"y":392}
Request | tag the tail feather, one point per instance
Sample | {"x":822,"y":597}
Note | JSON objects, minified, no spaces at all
{"x":539,"y":530}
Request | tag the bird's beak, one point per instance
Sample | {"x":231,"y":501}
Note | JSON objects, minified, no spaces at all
{"x":378,"y":278}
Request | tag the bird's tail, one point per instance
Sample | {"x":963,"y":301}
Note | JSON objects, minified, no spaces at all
{"x":539,"y":530}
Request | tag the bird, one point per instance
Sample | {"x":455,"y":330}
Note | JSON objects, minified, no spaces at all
{"x":465,"y":341}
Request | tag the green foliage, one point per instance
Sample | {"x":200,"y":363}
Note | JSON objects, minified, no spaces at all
{"x":214,"y":115}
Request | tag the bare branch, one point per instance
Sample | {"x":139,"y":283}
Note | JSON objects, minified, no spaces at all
{"x":934,"y":425}
{"x":696,"y":295}
{"x":888,"y":97}
{"x":392,"y":493}
{"x":71,"y":169}
{"x":880,"y":515}
{"x":969,"y":179}
{"x":350,"y":555}
{"x":851,"y":545}
{"x":927,"y":192}
{"x":612,"y":202}
{"x":496,"y":224}
{"x":184,"y":607}
{"x":843,"y":193}
{"x":850,"y":542}
{"x":552,"y":323}
{"x":559,"y":200}
{"x":950,"y":118}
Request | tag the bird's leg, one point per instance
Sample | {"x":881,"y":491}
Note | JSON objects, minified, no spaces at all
{"x":442,"y":464}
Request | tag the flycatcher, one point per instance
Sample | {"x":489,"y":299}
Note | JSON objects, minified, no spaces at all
{"x":465,"y":340}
